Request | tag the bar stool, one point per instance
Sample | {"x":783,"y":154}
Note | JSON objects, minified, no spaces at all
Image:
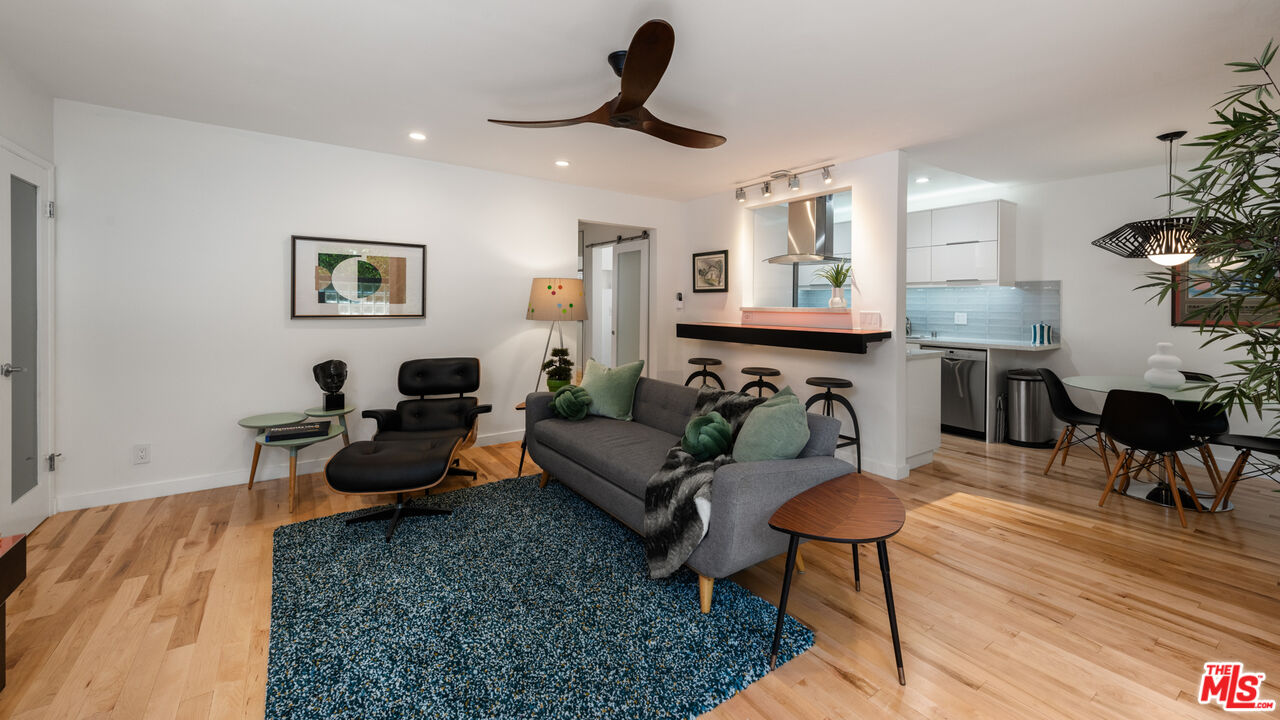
{"x":760,"y":373}
{"x":704,"y":373}
{"x":829,"y":400}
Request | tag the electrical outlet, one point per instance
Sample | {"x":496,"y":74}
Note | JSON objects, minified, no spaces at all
{"x":962,"y":318}
{"x":142,"y":454}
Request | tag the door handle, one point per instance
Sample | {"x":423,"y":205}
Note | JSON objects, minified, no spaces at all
{"x":8,"y":369}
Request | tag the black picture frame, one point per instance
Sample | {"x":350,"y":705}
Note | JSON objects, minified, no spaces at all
{"x":415,"y":271}
{"x":703,"y":262}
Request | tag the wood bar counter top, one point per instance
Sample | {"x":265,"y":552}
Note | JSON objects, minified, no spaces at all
{"x":830,"y":339}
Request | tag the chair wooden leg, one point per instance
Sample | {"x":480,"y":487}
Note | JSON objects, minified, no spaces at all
{"x":1062,"y":437}
{"x":1186,"y":479}
{"x":253,"y":469}
{"x":1121,"y":464}
{"x":546,"y":478}
{"x":1102,"y":451}
{"x":1066,"y":447}
{"x":1229,"y":483}
{"x":799,"y":561}
{"x":1211,"y":465}
{"x":706,"y":587}
{"x":1172,"y":480}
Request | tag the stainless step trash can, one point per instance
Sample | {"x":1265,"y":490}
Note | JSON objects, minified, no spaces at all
{"x":1030,"y":417}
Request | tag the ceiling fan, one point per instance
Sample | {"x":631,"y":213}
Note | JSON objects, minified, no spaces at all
{"x":641,"y":67}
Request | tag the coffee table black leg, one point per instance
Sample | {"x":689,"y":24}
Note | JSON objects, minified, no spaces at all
{"x":883,"y":551}
{"x":857,"y":571}
{"x":782,"y":604}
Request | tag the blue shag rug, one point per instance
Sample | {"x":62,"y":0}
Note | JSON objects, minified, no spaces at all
{"x":524,"y":603}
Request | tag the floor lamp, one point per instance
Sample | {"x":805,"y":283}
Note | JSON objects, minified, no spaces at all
{"x":554,"y":300}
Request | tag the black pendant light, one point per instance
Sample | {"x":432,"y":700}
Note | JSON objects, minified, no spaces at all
{"x":1165,"y":241}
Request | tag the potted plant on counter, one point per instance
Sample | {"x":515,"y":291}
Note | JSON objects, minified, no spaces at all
{"x":559,"y":369}
{"x":837,"y":275}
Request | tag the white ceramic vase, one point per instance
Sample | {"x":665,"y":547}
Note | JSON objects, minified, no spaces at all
{"x":1164,"y":366}
{"x":837,"y":298}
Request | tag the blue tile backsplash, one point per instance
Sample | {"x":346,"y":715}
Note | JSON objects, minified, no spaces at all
{"x":995,"y":312}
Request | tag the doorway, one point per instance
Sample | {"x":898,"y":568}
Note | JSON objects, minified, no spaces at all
{"x":26,"y":496}
{"x":616,"y":274}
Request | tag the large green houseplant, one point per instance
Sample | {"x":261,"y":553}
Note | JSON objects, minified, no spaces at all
{"x":1235,"y":198}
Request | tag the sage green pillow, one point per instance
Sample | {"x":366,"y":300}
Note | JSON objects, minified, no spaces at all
{"x":612,"y":390}
{"x":777,"y":429}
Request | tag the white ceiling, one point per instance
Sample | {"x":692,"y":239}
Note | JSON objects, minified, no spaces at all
{"x":1002,"y":90}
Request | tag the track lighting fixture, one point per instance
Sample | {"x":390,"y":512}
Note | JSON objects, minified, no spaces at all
{"x":792,"y":178}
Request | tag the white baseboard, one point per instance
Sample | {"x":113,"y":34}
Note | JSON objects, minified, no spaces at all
{"x":164,"y":488}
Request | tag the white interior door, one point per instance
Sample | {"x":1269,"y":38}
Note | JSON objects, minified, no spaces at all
{"x":599,"y":277}
{"x":25,"y":478}
{"x":631,"y":302}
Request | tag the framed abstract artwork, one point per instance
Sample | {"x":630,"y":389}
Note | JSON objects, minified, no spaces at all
{"x":335,"y":278}
{"x":1195,"y":296}
{"x":711,"y":271}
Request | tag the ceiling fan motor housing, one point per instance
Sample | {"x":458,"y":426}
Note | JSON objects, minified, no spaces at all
{"x":617,"y":59}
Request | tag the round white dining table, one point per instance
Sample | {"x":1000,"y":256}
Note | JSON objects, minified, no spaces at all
{"x":1191,"y":391}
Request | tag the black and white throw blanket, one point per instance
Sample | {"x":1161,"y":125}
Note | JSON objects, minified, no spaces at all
{"x":673,"y":523}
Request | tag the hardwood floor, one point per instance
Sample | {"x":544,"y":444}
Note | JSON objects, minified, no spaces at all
{"x":1017,"y":596}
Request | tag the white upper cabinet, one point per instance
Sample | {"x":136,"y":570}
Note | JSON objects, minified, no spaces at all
{"x":965,"y":243}
{"x":919,"y":231}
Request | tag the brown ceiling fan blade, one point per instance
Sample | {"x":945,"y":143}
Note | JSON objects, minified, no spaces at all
{"x":687,"y":137}
{"x":647,"y":60}
{"x":599,"y":115}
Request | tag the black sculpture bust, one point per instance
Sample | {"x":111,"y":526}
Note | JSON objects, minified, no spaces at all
{"x":330,"y":375}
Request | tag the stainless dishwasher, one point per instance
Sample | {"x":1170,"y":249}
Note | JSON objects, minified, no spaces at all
{"x":964,"y":391}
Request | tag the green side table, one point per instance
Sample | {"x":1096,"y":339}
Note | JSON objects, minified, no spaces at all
{"x":262,"y":422}
{"x":320,"y":412}
{"x":293,"y":446}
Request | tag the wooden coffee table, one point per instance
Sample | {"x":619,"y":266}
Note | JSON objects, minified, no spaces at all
{"x":850,"y":509}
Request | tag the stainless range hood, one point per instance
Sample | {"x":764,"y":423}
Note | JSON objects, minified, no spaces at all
{"x":810,"y":234}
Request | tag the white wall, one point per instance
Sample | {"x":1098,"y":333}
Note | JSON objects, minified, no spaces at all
{"x":1108,"y":327}
{"x":26,"y":112}
{"x":878,"y":258}
{"x":173,"y":312}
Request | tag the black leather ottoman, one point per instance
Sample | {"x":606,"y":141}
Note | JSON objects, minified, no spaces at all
{"x":373,"y":468}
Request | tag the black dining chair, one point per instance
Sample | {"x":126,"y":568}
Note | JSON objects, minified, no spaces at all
{"x":1073,"y":418}
{"x":1148,"y":423}
{"x":1246,"y":465}
{"x":1204,"y":421}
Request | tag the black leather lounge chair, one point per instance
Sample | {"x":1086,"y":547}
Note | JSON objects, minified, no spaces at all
{"x":416,"y":444}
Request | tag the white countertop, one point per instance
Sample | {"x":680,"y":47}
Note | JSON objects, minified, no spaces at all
{"x":843,"y":310}
{"x":923,"y":354}
{"x":983,"y":344}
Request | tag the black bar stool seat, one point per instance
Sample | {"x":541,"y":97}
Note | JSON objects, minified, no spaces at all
{"x":829,"y":401}
{"x":704,"y":373}
{"x":760,"y":384}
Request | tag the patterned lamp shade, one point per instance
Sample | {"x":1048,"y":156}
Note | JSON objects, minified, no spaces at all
{"x":556,"y":299}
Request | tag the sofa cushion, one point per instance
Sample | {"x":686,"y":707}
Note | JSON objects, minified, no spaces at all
{"x":612,"y":390}
{"x":664,"y":405}
{"x":624,"y":453}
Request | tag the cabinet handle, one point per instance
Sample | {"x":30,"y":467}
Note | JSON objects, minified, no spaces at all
{"x":964,"y":280}
{"x":966,"y":242}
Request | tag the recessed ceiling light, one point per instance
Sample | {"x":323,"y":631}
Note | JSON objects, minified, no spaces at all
{"x":562,"y":163}
{"x":922,"y":180}
{"x":417,"y":136}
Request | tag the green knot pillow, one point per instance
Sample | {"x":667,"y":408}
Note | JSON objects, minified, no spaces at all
{"x":571,"y":402}
{"x":707,"y":436}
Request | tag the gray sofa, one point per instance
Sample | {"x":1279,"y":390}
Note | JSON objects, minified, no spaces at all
{"x":609,"y":462}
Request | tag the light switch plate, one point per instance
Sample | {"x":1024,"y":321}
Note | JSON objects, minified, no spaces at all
{"x":962,"y":318}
